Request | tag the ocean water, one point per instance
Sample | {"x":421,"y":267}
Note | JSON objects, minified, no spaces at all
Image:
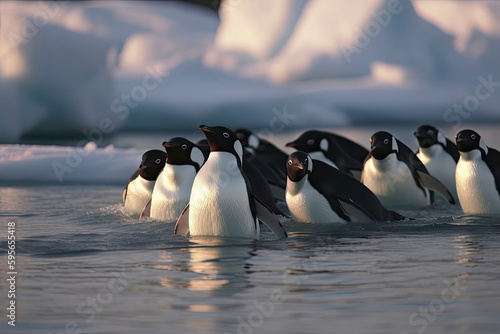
{"x":85,"y":266}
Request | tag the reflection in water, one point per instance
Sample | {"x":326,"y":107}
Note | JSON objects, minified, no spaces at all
{"x":215,"y":265}
{"x":467,"y":246}
{"x":220,"y":265}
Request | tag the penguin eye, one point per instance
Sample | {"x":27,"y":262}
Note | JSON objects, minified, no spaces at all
{"x":289,"y":162}
{"x":310,"y":142}
{"x":184,"y":146}
{"x":473,"y":136}
{"x":226,"y":135}
{"x":386,"y":141}
{"x":157,"y":161}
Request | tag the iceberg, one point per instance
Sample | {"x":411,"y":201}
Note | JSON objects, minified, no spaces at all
{"x":70,"y":67}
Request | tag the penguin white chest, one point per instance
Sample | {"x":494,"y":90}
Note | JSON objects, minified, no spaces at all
{"x":392,"y":182}
{"x":139,"y":193}
{"x":219,"y":203}
{"x":306,"y":204}
{"x":476,"y":185}
{"x":172,"y":191}
{"x":440,"y":165}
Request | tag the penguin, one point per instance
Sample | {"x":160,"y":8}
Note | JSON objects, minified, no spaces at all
{"x":221,"y":202}
{"x":317,"y":192}
{"x":439,"y":155}
{"x":332,"y":149}
{"x":396,"y":175}
{"x":173,"y":185}
{"x":139,"y":189}
{"x":260,"y":186}
{"x":267,"y":158}
{"x":477,"y":175}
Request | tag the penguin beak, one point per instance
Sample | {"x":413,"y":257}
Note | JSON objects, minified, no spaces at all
{"x":300,"y":166}
{"x":205,"y":128}
{"x":167,"y":144}
{"x":290,"y":144}
{"x":142,"y":167}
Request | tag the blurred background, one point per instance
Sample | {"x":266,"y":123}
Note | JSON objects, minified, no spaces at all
{"x":90,"y":68}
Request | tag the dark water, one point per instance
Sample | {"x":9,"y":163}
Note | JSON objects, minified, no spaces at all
{"x":83,"y":266}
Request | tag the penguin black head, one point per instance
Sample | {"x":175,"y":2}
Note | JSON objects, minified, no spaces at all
{"x":181,"y":151}
{"x":468,"y":140}
{"x":222,"y":139}
{"x":298,"y":165}
{"x":427,"y":136}
{"x":152,"y":163}
{"x":382,"y":144}
{"x":310,"y":141}
{"x":248,"y":138}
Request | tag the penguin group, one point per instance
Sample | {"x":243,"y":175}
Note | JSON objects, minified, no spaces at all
{"x":229,"y":183}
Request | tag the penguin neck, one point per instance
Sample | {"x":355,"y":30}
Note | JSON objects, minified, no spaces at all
{"x":177,"y":174}
{"x":223,"y":161}
{"x":431,"y":151}
{"x":386,"y":164}
{"x":294,"y":188}
{"x":473,"y":155}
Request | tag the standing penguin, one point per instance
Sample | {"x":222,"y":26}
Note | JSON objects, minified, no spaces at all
{"x":477,"y":174}
{"x":335,"y":150}
{"x":439,"y":155}
{"x":260,"y":186}
{"x":140,"y":186}
{"x":317,"y":192}
{"x":395,"y":174}
{"x":221,"y":202}
{"x":173,"y":186}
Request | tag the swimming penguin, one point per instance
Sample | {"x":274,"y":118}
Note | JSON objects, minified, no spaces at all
{"x":267,"y":158}
{"x":439,"y":155}
{"x":260,"y":186}
{"x":477,"y":174}
{"x":332,"y":149}
{"x":140,"y":186}
{"x":395,"y":174}
{"x":221,"y":202}
{"x":317,"y":192}
{"x":173,"y":185}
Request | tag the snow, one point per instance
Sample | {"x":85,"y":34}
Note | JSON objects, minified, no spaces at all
{"x":79,"y":67}
{"x":67,"y":165}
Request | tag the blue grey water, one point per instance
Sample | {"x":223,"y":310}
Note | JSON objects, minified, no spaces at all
{"x":85,"y":266}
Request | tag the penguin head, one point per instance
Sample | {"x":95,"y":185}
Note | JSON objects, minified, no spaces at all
{"x":248,"y":138}
{"x":468,"y":140}
{"x":152,"y":163}
{"x":298,"y":165}
{"x":382,"y":144}
{"x":222,"y":139}
{"x":310,"y":141}
{"x":181,"y":151}
{"x":427,"y":136}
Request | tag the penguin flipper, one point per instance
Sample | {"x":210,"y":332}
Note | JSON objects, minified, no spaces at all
{"x":278,"y":192}
{"x":432,"y":183}
{"x":146,"y":211}
{"x":182,"y":225}
{"x":124,"y":194}
{"x":356,"y":173}
{"x":354,"y":210}
{"x":267,"y":217}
